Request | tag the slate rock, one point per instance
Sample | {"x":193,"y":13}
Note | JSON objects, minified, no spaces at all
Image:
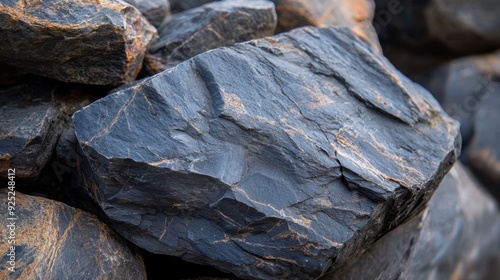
{"x":99,"y":43}
{"x":210,"y":26}
{"x":155,"y":11}
{"x":33,"y":114}
{"x":457,"y":236}
{"x":56,"y":241}
{"x":356,"y":15}
{"x":275,"y":158}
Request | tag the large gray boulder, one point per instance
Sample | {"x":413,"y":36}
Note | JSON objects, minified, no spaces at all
{"x":277,"y":158}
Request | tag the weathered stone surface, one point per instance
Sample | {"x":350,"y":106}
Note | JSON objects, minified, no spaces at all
{"x":357,"y":15}
{"x":457,"y":236}
{"x":210,"y":26}
{"x":275,"y":158}
{"x":155,"y":11}
{"x":56,"y":241}
{"x":33,"y":114}
{"x":101,"y":43}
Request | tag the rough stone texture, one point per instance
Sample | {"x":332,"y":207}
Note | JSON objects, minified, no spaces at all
{"x":182,"y":5}
{"x":33,"y":114}
{"x":92,"y":42}
{"x":355,"y":14}
{"x":270,"y":159}
{"x":155,"y":11}
{"x":457,"y":236}
{"x":210,"y":26}
{"x":56,"y":241}
{"x":469,"y":90}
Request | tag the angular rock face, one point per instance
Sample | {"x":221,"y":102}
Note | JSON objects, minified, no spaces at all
{"x":155,"y":11}
{"x":210,"y":26}
{"x":100,"y":43}
{"x":55,"y":241}
{"x":33,"y":114}
{"x":457,"y":236}
{"x":274,"y":158}
{"x":357,"y":15}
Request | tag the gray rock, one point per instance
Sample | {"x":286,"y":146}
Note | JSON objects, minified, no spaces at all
{"x":210,"y":26}
{"x":99,"y":43}
{"x":155,"y":11}
{"x":457,"y":236}
{"x":275,"y":158}
{"x":56,"y":241}
{"x":33,"y":114}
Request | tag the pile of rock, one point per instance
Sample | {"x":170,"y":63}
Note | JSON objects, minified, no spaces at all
{"x":273,"y":140}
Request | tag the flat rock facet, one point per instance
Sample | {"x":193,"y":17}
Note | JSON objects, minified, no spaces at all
{"x":92,"y":42}
{"x":210,"y":26}
{"x":457,"y":236}
{"x":56,"y":241}
{"x":273,"y":158}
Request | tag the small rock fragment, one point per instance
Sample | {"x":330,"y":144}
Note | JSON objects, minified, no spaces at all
{"x":210,"y":26}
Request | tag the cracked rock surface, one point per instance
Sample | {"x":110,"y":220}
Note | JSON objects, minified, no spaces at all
{"x":56,"y":241}
{"x":277,"y":158}
{"x":91,"y":42}
{"x":210,"y":26}
{"x":455,"y":237}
